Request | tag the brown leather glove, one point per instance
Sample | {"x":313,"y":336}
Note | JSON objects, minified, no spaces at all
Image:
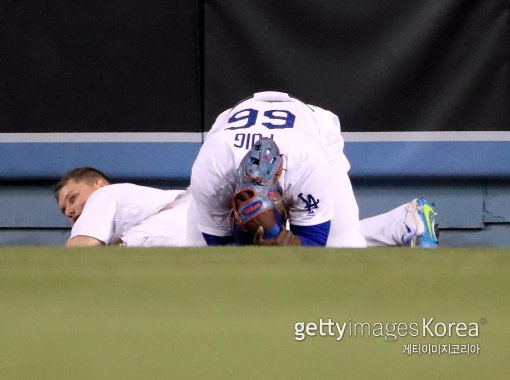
{"x":264,"y":216}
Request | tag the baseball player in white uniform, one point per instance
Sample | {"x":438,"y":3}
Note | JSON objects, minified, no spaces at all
{"x":121,"y":214}
{"x":322,"y":209}
{"x":140,"y":216}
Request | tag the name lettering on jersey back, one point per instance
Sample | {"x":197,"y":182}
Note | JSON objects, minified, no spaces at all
{"x":246,"y":140}
{"x":310,"y":203}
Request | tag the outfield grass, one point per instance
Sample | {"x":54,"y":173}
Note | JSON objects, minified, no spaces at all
{"x":229,"y":313}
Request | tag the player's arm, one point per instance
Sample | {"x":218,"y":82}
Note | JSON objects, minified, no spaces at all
{"x":313,"y":236}
{"x":308,"y":236}
{"x":83,"y":241}
{"x":95,"y":225}
{"x":210,"y":186}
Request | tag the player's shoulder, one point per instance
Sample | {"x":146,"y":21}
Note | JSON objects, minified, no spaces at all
{"x":219,"y":123}
{"x":115,"y":187}
{"x":322,"y":111}
{"x":116,"y":190}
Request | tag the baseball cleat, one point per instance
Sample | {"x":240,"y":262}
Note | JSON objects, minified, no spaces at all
{"x":419,"y":225}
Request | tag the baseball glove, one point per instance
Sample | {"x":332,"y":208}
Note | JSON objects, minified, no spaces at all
{"x":257,"y":215}
{"x":262,"y":165}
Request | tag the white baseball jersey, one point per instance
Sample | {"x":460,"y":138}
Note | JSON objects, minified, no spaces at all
{"x":135,"y":216}
{"x":314,"y":180}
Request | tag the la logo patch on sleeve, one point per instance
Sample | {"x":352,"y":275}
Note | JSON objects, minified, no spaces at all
{"x":310,"y":203}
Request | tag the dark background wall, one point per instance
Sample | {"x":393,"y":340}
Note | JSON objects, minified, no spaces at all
{"x":133,"y":65}
{"x":99,"y":66}
{"x":424,"y":65}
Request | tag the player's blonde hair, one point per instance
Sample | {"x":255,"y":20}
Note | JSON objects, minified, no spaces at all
{"x":83,"y":174}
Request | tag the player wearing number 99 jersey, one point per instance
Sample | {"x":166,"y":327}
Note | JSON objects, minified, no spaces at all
{"x":317,"y":191}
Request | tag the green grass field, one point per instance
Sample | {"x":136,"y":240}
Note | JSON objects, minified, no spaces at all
{"x":229,"y":313}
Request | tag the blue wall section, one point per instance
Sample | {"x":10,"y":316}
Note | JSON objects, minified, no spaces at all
{"x":28,"y":161}
{"x":449,"y":159}
{"x":173,"y":160}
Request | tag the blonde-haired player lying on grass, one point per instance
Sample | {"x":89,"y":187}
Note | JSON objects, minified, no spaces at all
{"x":138,"y":216}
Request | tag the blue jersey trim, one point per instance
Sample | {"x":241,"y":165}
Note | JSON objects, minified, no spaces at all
{"x":217,"y":240}
{"x":312,"y":236}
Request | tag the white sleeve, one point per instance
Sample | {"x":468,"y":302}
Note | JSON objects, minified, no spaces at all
{"x":330,"y":132}
{"x":213,"y":185}
{"x":309,"y":197}
{"x":97,"y":219}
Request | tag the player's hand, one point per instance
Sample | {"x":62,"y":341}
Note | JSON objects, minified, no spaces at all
{"x":264,"y":219}
{"x":284,"y":238}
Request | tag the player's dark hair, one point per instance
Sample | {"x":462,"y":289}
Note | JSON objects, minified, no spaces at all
{"x":84,"y":174}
